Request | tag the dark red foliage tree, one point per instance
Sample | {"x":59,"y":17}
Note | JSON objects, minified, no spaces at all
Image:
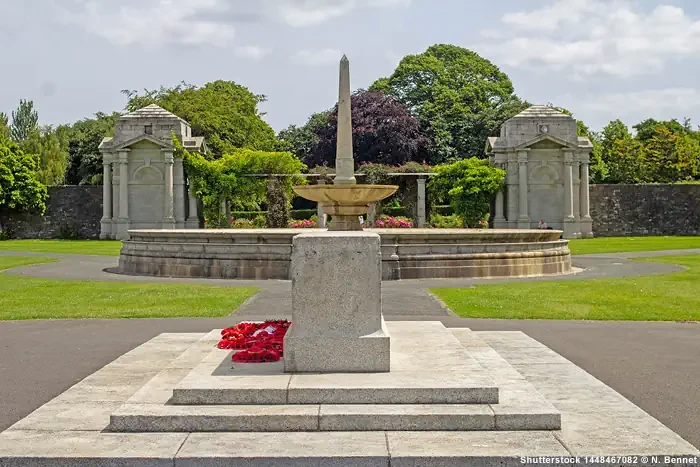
{"x":384,"y":132}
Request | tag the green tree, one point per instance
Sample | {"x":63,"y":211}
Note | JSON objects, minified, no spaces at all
{"x":301,"y":140}
{"x":469,"y":185}
{"x":84,"y":137}
{"x":459,"y":97}
{"x":224,"y":112}
{"x":4,"y":126}
{"x":25,"y":121}
{"x":20,"y":190}
{"x":51,"y":146}
{"x":671,"y":157}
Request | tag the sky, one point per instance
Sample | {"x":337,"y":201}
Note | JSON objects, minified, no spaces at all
{"x":601,"y":59}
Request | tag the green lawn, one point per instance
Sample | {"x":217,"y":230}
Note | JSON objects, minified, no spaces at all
{"x":33,"y":298}
{"x":627,"y":244}
{"x":671,"y":297}
{"x":578,"y":247}
{"x":80,"y":247}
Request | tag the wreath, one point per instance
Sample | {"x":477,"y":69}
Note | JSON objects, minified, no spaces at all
{"x":255,"y":342}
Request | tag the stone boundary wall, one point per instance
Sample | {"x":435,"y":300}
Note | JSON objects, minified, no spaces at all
{"x":621,"y":210}
{"x":71,"y":212}
{"x":617,"y":210}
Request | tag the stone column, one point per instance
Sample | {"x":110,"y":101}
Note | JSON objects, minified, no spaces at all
{"x":123,"y":228}
{"x":586,"y":221}
{"x":372,"y":215}
{"x":512,"y":183}
{"x":499,"y":220}
{"x":106,"y":222}
{"x":319,"y":209}
{"x":569,"y":219}
{"x":192,"y":218}
{"x":179,"y":198}
{"x":168,"y":217}
{"x":420,"y":207}
{"x":523,"y":217}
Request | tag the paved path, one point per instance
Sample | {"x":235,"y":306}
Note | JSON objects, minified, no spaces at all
{"x":655,"y":365}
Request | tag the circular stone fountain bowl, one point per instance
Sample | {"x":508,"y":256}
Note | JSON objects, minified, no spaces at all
{"x":350,"y":200}
{"x":406,"y":253}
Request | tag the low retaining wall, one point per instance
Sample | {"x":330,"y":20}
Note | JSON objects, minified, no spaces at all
{"x":619,"y":210}
{"x":406,"y":253}
{"x":71,"y":212}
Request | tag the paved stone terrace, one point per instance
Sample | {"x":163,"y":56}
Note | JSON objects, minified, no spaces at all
{"x":652,"y":364}
{"x":596,"y":420}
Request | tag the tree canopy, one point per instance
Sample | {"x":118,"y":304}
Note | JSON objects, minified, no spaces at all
{"x":84,"y":137}
{"x":20,"y":189}
{"x":302,"y":140}
{"x":25,"y":120}
{"x":383,"y":131}
{"x":459,"y":98}
{"x":224,"y":112}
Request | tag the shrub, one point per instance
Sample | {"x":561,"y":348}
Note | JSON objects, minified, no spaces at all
{"x":446,"y":222}
{"x":469,"y":186}
{"x":390,"y":222}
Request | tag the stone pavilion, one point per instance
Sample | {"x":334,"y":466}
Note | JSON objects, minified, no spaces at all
{"x":546,"y":165}
{"x":144,"y":184}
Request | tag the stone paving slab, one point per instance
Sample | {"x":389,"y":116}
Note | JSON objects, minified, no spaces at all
{"x":336,"y":449}
{"x":136,"y":418}
{"x":88,"y":449}
{"x":478,"y":448}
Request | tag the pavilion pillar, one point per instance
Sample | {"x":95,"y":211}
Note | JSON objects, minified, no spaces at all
{"x":586,"y":223}
{"x":523,"y":217}
{"x":512,"y":186}
{"x":123,"y":223}
{"x":192,"y":217}
{"x":420,"y":203}
{"x":106,"y":221}
{"x":569,"y":220}
{"x":179,"y":198}
{"x":168,"y":215}
{"x":499,"y":220}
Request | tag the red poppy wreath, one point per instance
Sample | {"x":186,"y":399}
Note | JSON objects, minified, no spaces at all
{"x":255,"y":342}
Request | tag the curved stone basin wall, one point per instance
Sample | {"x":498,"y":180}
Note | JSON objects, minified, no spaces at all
{"x":406,"y":253}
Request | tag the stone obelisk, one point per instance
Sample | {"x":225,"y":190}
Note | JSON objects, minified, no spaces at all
{"x":344,"y":162}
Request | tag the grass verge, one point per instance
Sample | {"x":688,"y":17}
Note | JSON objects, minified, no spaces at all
{"x":34,"y":298}
{"x":588,"y":246}
{"x":670,"y":297}
{"x":77,"y":247}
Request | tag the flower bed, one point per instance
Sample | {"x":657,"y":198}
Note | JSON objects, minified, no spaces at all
{"x":303,"y":224}
{"x":390,"y":222}
{"x":255,"y":342}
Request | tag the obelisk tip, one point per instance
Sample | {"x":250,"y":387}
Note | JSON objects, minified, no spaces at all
{"x":344,"y":59}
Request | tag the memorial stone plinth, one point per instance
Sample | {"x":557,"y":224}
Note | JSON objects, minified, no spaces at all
{"x":337,"y":323}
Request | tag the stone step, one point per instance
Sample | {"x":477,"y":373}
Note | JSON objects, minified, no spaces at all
{"x":135,"y":418}
{"x":428,"y":366}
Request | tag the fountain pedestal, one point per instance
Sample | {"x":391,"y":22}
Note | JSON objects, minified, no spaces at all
{"x":337,"y":323}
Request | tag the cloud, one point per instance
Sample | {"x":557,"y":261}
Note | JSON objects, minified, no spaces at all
{"x":650,"y":101}
{"x":591,"y":37}
{"x":633,"y":106}
{"x":319,"y":57}
{"x":252,"y":52}
{"x":157,"y":23}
